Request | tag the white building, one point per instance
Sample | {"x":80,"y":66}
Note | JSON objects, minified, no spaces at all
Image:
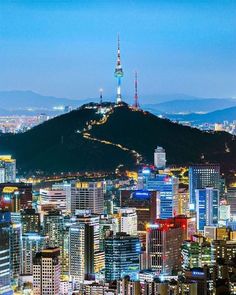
{"x":160,"y":158}
{"x":46,"y":272}
{"x":54,"y":197}
{"x":128,"y":221}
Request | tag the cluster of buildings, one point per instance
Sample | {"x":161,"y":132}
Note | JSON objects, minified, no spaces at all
{"x":147,"y":234}
{"x":18,"y":124}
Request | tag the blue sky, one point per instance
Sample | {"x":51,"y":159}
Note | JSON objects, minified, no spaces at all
{"x":68,"y":48}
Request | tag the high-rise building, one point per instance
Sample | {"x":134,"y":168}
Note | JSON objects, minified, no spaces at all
{"x":54,"y":197}
{"x":53,"y":228}
{"x":202,"y":176}
{"x":207,"y":207}
{"x":128,"y":221}
{"x":7,"y":169}
{"x":31,"y":244}
{"x":167,"y":186}
{"x":160,"y":158}
{"x":231,"y":200}
{"x":46,"y":272}
{"x":15,"y":249}
{"x":66,"y":187}
{"x":15,"y":196}
{"x":121,"y":256}
{"x":146,"y":204}
{"x":84,"y":251}
{"x":163,"y":244}
{"x":88,"y":196}
{"x":30,"y":221}
{"x":5,"y":267}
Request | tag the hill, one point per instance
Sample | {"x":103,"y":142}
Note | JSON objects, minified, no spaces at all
{"x":218,"y":116}
{"x":85,"y":140}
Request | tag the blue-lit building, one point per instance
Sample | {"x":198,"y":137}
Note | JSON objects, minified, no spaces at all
{"x":207,"y":207}
{"x":5,"y":269}
{"x":167,"y":186}
{"x":202,"y":176}
{"x":122,"y":256}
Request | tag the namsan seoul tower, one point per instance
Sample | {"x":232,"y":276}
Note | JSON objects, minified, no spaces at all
{"x":118,"y":74}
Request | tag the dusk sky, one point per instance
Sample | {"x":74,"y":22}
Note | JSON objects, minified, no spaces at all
{"x":68,"y":48}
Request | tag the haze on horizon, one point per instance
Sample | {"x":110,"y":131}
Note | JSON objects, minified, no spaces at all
{"x":68,"y":48}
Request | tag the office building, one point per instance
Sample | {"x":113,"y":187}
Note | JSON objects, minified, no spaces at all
{"x":88,"y":196}
{"x":207,"y":207}
{"x":15,"y":196}
{"x":160,"y":158}
{"x":54,"y":228}
{"x":46,"y":272}
{"x":84,"y":254}
{"x":146,"y":204}
{"x":30,"y":220}
{"x":121,"y":256}
{"x":5,"y":267}
{"x":167,"y":186}
{"x":202,"y":176}
{"x":31,"y":244}
{"x":66,"y":187}
{"x":128,"y":221}
{"x":16,"y":249}
{"x":231,"y":201}
{"x":56,"y":198}
{"x":163,"y":244}
{"x":7,"y":169}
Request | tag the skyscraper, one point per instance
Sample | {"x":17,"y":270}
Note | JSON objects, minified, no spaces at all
{"x":118,"y":74}
{"x":46,"y":272}
{"x":160,"y":158}
{"x":30,"y":221}
{"x":53,"y":228}
{"x":5,"y":269}
{"x":167,"y":186}
{"x":207,"y":207}
{"x":163,"y":245}
{"x":121,"y":256}
{"x":84,"y":245}
{"x":31,"y":244}
{"x":88,"y":196}
{"x":202,"y":176}
{"x":16,"y":249}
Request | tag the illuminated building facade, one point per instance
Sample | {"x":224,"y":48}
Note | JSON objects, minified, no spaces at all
{"x":31,"y":244}
{"x":7,"y":169}
{"x":163,"y":244}
{"x":128,"y":221}
{"x":207,"y":207}
{"x":30,"y":221}
{"x":15,"y":196}
{"x":46,"y":272}
{"x":88,"y":196}
{"x":160,"y":158}
{"x":202,"y":176}
{"x":84,"y":254}
{"x":121,"y":256}
{"x":56,"y":198}
{"x":5,"y":266}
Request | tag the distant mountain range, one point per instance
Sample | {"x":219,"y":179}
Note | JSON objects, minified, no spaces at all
{"x":196,"y":105}
{"x":85,"y":140}
{"x":29,"y":102}
{"x":218,"y":116}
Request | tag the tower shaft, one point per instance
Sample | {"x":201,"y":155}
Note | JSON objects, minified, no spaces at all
{"x":136,"y":104}
{"x":118,"y":74}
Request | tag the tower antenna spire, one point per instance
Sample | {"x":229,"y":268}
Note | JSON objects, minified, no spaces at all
{"x":118,"y":73}
{"x":101,"y":95}
{"x":136,"y":104}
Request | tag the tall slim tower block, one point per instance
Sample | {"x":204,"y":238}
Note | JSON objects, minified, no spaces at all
{"x":118,"y":74}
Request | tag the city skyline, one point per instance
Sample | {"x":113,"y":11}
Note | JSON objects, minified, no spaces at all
{"x":176,"y":47}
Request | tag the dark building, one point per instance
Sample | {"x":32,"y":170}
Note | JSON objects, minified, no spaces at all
{"x":15,"y":196}
{"x":30,"y":221}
